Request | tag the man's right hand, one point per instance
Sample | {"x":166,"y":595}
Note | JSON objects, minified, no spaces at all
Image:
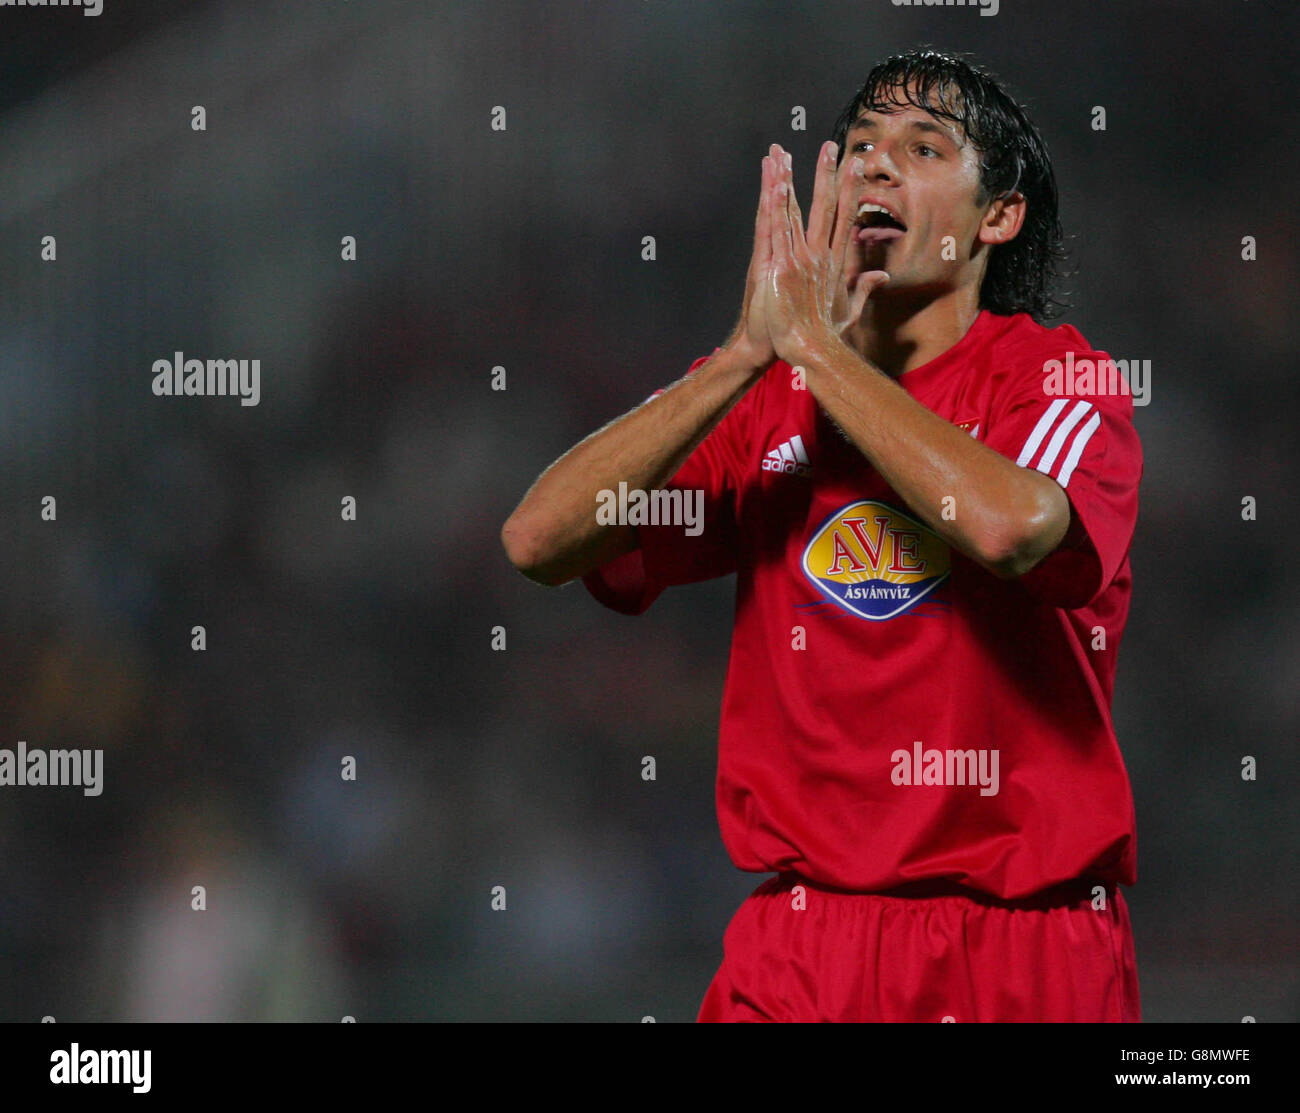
{"x":750,"y":340}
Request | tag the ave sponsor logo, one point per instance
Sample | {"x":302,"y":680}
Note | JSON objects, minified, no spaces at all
{"x":874,"y":560}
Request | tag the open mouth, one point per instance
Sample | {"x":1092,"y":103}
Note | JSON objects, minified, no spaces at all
{"x":876,"y":224}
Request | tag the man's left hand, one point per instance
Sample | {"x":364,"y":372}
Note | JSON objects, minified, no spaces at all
{"x":808,"y":300}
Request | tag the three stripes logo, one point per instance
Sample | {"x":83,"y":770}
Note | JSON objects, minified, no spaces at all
{"x":789,"y":458}
{"x":1059,"y":438}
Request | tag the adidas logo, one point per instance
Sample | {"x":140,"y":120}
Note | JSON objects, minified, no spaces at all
{"x":789,"y":458}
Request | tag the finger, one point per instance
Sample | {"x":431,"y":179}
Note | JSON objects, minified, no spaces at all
{"x":779,"y":215}
{"x":821,"y":217}
{"x":769,"y":208}
{"x":794,"y":214}
{"x":864,"y":286}
{"x":762,"y":231}
{"x":789,"y":218}
{"x":850,"y":190}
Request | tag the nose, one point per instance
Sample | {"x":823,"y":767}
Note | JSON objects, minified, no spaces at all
{"x":877,"y":163}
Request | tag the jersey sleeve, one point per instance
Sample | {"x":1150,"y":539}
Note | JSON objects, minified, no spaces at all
{"x":667,"y":554}
{"x":1087,"y":442}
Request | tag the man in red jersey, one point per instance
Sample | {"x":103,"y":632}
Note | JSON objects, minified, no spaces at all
{"x":929,"y":522}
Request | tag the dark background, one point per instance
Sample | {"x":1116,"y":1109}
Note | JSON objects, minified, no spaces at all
{"x":522,"y":248}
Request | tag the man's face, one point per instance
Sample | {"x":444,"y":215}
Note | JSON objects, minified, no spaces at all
{"x":925,"y":173}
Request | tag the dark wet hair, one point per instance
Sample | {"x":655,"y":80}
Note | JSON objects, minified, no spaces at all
{"x":1023,"y":273}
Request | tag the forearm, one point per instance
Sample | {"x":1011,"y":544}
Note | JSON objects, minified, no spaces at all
{"x":553,"y":535}
{"x":1004,"y":517}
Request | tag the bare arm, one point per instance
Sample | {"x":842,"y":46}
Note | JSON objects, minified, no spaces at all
{"x":553,"y":535}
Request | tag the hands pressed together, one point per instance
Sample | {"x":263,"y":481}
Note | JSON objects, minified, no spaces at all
{"x":795,"y":292}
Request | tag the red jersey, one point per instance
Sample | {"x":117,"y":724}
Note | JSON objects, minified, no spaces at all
{"x":893,"y":712}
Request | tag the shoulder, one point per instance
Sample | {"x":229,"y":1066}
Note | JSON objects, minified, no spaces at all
{"x":1030,"y":359}
{"x":1023,"y":345}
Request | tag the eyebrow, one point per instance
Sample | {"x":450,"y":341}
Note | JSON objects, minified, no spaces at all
{"x":864,"y":122}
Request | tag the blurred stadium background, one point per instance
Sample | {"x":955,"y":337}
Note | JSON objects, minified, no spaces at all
{"x":521,"y":249}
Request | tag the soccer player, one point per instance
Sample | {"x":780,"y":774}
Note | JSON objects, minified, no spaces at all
{"x":927,"y":497}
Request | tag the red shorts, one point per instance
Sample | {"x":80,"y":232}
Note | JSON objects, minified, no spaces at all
{"x":934,"y":954}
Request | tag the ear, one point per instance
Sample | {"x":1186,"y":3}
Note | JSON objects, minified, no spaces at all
{"x":1003,"y":220}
